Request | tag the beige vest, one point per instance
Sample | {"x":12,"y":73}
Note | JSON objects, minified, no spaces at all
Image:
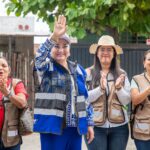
{"x":141,"y":126}
{"x":108,"y":107}
{"x":10,"y":135}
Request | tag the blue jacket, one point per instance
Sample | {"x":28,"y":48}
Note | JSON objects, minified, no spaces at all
{"x":53,"y":93}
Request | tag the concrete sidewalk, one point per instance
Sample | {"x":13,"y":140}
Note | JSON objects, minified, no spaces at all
{"x":32,"y":142}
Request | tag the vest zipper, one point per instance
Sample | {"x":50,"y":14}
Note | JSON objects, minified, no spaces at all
{"x":106,"y":106}
{"x":116,"y":104}
{"x":76,"y":88}
{"x":107,"y":96}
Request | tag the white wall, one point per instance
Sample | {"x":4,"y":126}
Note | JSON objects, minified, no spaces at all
{"x":40,"y":28}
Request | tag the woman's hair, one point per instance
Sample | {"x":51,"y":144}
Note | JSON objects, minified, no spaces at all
{"x":114,"y":67}
{"x":145,"y":54}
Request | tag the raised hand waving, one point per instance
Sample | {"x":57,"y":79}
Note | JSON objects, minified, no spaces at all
{"x":59,"y":27}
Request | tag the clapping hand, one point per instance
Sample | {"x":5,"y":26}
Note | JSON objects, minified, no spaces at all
{"x":103,"y":81}
{"x":3,"y":86}
{"x":119,"y":81}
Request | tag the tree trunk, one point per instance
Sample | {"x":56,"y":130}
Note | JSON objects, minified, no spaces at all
{"x":114,"y":33}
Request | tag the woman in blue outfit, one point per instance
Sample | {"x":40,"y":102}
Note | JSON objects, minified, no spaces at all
{"x":110,"y":115}
{"x":61,"y":114}
{"x":140,"y":92}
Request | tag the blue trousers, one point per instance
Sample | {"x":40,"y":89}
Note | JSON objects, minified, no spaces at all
{"x":109,"y":138}
{"x":69,"y":140}
{"x":142,"y":145}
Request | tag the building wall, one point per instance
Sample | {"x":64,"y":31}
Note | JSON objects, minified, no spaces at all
{"x":18,"y":44}
{"x":23,"y":44}
{"x":20,"y":59}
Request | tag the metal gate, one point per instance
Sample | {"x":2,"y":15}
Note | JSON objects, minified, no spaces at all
{"x":131,"y":61}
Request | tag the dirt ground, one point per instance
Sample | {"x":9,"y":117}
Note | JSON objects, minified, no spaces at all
{"x":32,"y":142}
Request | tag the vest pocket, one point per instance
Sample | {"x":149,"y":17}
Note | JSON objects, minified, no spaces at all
{"x":116,"y":114}
{"x":12,"y":131}
{"x":99,"y":111}
{"x":141,"y":125}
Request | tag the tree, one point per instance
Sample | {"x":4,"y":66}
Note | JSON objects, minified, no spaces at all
{"x":94,"y":16}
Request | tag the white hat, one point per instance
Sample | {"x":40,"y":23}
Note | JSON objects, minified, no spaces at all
{"x":106,"y":40}
{"x":65,"y":37}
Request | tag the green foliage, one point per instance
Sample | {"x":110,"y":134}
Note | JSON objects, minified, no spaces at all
{"x":89,"y":16}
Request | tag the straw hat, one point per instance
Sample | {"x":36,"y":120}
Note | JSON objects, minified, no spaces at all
{"x":106,"y":40}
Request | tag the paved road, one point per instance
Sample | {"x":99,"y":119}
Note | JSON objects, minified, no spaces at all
{"x":32,"y":142}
